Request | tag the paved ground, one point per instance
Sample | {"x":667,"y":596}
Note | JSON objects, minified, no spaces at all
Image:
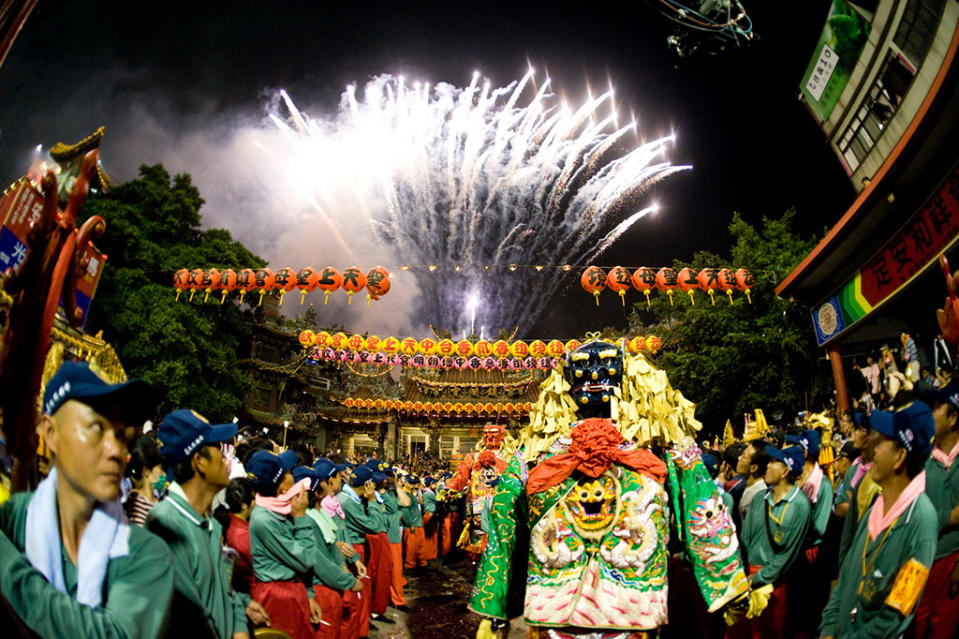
{"x":437,"y":598}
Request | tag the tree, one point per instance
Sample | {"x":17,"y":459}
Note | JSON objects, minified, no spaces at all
{"x":187,"y":351}
{"x":731,"y":359}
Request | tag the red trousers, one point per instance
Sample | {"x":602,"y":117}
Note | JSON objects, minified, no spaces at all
{"x":446,"y":533}
{"x":288,"y":606}
{"x":771,"y":623}
{"x":430,"y":533}
{"x":413,"y":540}
{"x":937,"y":615}
{"x":365,"y":596}
{"x":396,"y":588}
{"x":380,"y":568}
{"x":341,"y":613}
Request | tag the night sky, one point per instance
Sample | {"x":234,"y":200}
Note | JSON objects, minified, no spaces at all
{"x":194,"y":66}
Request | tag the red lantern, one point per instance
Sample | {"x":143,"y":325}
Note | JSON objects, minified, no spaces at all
{"x":593,"y":281}
{"x":284,"y":280}
{"x":727,"y":282}
{"x":353,"y":282}
{"x":210,"y":282}
{"x":377,"y":284}
{"x":330,"y":280}
{"x":227,"y":282}
{"x":196,"y":281}
{"x":245,"y":281}
{"x":181,"y":281}
{"x":306,"y":280}
{"x":264,"y":282}
{"x":644,"y":280}
{"x":744,"y":282}
{"x":666,"y":281}
{"x":686,"y":279}
{"x":619,"y":280}
{"x":708,"y":279}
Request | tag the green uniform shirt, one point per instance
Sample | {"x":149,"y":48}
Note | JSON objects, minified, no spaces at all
{"x":821,"y":512}
{"x":391,"y":509}
{"x":429,"y":502}
{"x":282,"y":547}
{"x":411,"y":515}
{"x":202,"y":583}
{"x":361,"y":518}
{"x":854,"y":514}
{"x":137,"y":588}
{"x":776,"y":547}
{"x":942,"y":488}
{"x":912,"y":536}
{"x":329,"y":564}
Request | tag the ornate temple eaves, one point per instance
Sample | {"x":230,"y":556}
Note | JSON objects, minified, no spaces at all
{"x":65,"y":154}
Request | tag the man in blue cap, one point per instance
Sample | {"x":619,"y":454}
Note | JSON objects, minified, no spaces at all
{"x":70,"y":564}
{"x":773,"y":534}
{"x":885,"y":571}
{"x":394,"y":497}
{"x":282,"y":544}
{"x":204,"y":599}
{"x":937,"y":616}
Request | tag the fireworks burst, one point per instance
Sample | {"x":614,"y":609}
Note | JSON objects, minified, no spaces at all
{"x":472,"y":178}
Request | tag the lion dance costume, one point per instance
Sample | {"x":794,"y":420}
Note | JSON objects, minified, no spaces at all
{"x":476,"y":477}
{"x":580,"y":520}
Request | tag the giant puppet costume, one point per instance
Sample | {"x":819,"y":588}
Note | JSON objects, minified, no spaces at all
{"x":476,"y":477}
{"x":581,"y":517}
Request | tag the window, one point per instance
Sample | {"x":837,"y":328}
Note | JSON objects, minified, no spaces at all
{"x":917,"y":29}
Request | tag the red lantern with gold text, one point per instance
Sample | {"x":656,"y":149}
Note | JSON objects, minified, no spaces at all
{"x":667,"y":282}
{"x":744,"y":282}
{"x":353,"y":282}
{"x":227,"y":283}
{"x":330,"y":280}
{"x":727,"y":282}
{"x":708,"y":279}
{"x":619,"y":280}
{"x":593,"y":281}
{"x":245,"y":281}
{"x":264,"y":282}
{"x":196,"y":281}
{"x":377,"y":284}
{"x":687,"y":281}
{"x":181,"y":281}
{"x":644,"y":280}
{"x":284,"y":281}
{"x":307,"y":280}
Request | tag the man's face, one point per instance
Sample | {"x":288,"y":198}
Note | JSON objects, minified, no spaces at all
{"x":286,"y":483}
{"x":775,"y":471}
{"x":842,"y":465}
{"x":335,"y":483}
{"x":745,"y":461}
{"x":214,"y":467}
{"x":870,"y":442}
{"x":945,"y":419}
{"x":90,"y":449}
{"x":886,"y":456}
{"x":859,"y":437}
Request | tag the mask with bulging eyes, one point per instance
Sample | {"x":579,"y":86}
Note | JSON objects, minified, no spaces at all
{"x":594,"y":372}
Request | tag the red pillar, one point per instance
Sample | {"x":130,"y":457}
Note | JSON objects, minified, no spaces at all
{"x":839,"y":377}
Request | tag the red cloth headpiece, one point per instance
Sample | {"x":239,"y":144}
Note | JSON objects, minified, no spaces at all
{"x":486,"y":459}
{"x":594,"y":449}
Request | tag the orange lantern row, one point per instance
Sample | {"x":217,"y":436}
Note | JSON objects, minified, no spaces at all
{"x":352,"y":280}
{"x":464,"y":348}
{"x":439,"y":407}
{"x":644,"y":279}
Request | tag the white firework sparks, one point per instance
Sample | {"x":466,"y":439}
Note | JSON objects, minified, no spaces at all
{"x":472,"y":178}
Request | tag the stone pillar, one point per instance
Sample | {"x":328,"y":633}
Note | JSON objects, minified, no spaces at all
{"x":392,"y":432}
{"x":839,"y":376}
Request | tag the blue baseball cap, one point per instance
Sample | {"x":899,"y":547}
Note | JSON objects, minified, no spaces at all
{"x":912,"y":427}
{"x":361,"y":475}
{"x":184,"y":431}
{"x":949,"y":394}
{"x":305,"y":472}
{"x":324,"y":468}
{"x":377,"y":465}
{"x":266,"y":470}
{"x":378,"y":477}
{"x":793,"y":457}
{"x":429,"y":481}
{"x":75,"y":380}
{"x":711,"y":462}
{"x":810,"y":440}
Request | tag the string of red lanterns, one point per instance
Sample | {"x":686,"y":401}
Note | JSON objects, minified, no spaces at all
{"x":352,"y":280}
{"x":645,"y":279}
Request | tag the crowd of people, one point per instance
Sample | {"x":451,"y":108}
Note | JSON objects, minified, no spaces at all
{"x":189,"y":531}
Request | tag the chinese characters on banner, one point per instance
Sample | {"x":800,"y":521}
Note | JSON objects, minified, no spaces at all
{"x":20,"y":205}
{"x":926,"y":235}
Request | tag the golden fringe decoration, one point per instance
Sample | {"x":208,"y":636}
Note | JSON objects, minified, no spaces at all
{"x":646,"y":409}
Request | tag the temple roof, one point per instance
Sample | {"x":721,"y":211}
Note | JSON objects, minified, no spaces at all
{"x":66,"y":154}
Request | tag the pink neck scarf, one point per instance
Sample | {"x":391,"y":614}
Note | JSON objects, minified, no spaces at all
{"x":810,"y":487}
{"x":281,"y":503}
{"x":861,"y":470}
{"x":332,"y":507}
{"x":944,"y":458}
{"x":878,"y":521}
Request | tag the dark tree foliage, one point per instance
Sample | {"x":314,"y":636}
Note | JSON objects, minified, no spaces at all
{"x":188,"y":351}
{"x":732,"y":359}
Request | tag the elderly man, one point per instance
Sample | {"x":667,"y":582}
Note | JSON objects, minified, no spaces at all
{"x":70,"y":564}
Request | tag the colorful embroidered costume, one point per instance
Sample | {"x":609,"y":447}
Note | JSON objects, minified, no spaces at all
{"x":583,"y":524}
{"x":476,"y":477}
